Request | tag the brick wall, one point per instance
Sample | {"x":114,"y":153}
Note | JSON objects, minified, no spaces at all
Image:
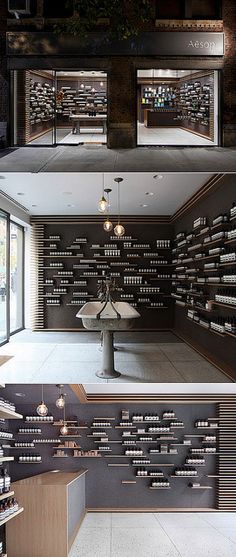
{"x":3,"y":67}
{"x":229,"y":74}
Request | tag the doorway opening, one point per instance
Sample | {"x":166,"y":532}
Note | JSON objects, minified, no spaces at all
{"x":178,"y":107}
{"x":60,"y":107}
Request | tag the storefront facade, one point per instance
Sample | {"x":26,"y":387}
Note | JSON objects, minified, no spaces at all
{"x":194,"y":45}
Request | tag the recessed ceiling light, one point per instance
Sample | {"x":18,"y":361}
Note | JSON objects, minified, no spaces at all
{"x":149,"y":193}
{"x":67,"y":192}
{"x":70,"y":205}
{"x":2,"y":177}
{"x":20,"y":394}
{"x":143,"y":205}
{"x":20,"y":193}
{"x":158,"y":176}
{"x":33,"y":205}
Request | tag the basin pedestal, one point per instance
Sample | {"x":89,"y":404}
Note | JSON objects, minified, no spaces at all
{"x":108,"y":370}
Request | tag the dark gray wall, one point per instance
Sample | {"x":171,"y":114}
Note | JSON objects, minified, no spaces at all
{"x":221,"y":350}
{"x":103,"y":483}
{"x":64,"y":316}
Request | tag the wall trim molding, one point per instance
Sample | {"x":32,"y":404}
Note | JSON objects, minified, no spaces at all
{"x":211,"y":185}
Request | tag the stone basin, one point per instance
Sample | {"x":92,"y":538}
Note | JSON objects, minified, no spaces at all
{"x":108,"y":322}
{"x":108,"y":318}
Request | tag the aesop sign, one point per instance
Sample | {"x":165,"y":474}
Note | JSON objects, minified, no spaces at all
{"x":154,"y":43}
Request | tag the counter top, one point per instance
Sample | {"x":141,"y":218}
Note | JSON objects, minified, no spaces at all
{"x":51,"y":478}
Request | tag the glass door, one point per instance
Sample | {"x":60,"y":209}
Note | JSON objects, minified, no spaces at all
{"x":81,"y":107}
{"x":16,"y":277}
{"x":34,"y":107}
{"x":3,"y":277}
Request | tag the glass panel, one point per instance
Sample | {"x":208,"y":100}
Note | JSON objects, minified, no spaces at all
{"x":16,"y":277}
{"x":81,"y":107}
{"x":3,"y":278}
{"x":34,"y":107}
{"x":177,"y":107}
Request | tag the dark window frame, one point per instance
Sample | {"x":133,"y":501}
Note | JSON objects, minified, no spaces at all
{"x":186,"y":11}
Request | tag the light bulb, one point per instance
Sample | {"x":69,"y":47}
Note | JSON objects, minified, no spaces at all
{"x":42,"y":409}
{"x":102,"y":205}
{"x":101,"y":83}
{"x":64,"y":430}
{"x":119,"y":230}
{"x":82,"y":86}
{"x":60,"y":402}
{"x":107,"y":225}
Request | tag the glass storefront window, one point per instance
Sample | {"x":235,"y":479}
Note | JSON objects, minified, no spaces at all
{"x":59,"y":107}
{"x":16,"y":277}
{"x":3,"y":277}
{"x":178,"y":107}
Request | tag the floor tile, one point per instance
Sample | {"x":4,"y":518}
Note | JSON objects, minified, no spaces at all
{"x":142,"y":542}
{"x":221,"y":520}
{"x":204,"y":542}
{"x":97,"y":520}
{"x":18,"y":372}
{"x":228,"y":532}
{"x":75,"y":353}
{"x":190,"y":520}
{"x":67,"y":372}
{"x":92,"y":542}
{"x":200,"y":372}
{"x":131,"y":520}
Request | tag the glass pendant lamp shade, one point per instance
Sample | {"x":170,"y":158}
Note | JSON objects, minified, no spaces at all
{"x":107,"y":225}
{"x":64,"y":430}
{"x":119,"y":230}
{"x":102,"y":205}
{"x":103,"y":202}
{"x":60,"y":402}
{"x":42,"y":409}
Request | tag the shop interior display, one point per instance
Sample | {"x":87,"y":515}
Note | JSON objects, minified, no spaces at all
{"x":54,"y":101}
{"x":204,"y":277}
{"x":186,"y":102}
{"x":72,"y":272}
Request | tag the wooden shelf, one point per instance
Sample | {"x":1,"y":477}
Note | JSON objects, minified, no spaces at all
{"x":228,"y":306}
{"x":228,"y":264}
{"x":201,"y":487}
{"x":20,"y":510}
{"x":9,"y":414}
{"x":30,"y":462}
{"x":6,"y":458}
{"x":159,"y":487}
{"x":118,"y":465}
{"x":38,"y":422}
{"x":128,"y":482}
{"x":6,"y":495}
{"x":183,"y":477}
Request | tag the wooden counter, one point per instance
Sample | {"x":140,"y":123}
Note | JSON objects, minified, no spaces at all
{"x":161,"y":117}
{"x":54,"y":507}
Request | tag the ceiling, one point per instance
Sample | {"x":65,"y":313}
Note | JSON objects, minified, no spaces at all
{"x":75,"y":193}
{"x":31,"y":394}
{"x":165,"y":73}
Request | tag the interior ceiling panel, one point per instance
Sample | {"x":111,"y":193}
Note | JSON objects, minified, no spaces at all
{"x":64,"y":193}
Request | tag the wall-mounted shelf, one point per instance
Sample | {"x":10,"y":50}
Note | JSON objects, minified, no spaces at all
{"x":6,"y":458}
{"x":6,"y":495}
{"x":9,"y":414}
{"x":20,"y":510}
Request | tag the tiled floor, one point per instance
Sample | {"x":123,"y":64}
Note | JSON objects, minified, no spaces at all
{"x":169,"y":136}
{"x":162,"y":361}
{"x":66,"y":137}
{"x":156,"y":535}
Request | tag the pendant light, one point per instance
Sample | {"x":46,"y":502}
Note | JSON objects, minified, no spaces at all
{"x":42,"y":409}
{"x":107,"y":225}
{"x":103,"y":203}
{"x":64,"y":428}
{"x":60,"y":402}
{"x":119,"y":229}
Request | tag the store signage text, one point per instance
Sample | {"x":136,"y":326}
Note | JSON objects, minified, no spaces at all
{"x":201,"y":44}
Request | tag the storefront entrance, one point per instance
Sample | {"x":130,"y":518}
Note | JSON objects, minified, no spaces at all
{"x":177,"y":108}
{"x":60,"y":107}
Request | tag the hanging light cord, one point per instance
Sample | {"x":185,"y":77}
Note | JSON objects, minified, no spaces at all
{"x":118,"y":203}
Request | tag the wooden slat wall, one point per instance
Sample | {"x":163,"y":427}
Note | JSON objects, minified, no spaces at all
{"x":227,"y":459}
{"x":37,"y":277}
